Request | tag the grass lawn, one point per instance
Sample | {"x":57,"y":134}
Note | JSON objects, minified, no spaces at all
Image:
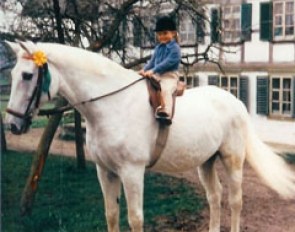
{"x":70,"y":200}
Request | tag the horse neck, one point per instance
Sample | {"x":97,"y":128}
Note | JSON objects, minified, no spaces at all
{"x":81,"y":78}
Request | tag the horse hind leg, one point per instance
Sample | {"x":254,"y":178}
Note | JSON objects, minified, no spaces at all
{"x":111,"y":189}
{"x":210,"y":181}
{"x":233,"y":159}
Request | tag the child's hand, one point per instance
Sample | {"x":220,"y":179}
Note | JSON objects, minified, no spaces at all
{"x":141,"y":72}
{"x":149,"y":73}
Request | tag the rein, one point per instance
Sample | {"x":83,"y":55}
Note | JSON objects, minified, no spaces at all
{"x":65,"y":108}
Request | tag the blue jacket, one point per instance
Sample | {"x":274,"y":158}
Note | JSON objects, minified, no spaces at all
{"x":166,"y":58}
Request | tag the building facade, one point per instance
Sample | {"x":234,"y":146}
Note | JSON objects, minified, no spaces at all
{"x":256,"y":41}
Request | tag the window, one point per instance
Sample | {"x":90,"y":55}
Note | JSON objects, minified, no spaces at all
{"x":283,"y":20}
{"x":238,"y":85}
{"x":276,"y":95}
{"x":230,"y":83}
{"x":236,"y":23}
{"x":231,"y":24}
{"x":187,"y":30}
{"x":280,"y":96}
{"x":190,"y":81}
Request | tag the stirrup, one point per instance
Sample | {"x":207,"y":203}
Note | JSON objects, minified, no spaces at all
{"x":166,"y":121}
{"x":163,"y":117}
{"x":160,"y":112}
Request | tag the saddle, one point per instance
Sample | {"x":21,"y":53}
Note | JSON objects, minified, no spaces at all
{"x":156,"y":99}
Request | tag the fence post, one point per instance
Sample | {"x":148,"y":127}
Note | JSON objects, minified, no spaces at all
{"x":79,"y":139}
{"x":2,"y":138}
{"x":39,"y":160}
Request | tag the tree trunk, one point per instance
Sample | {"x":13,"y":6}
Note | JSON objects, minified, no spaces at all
{"x":39,"y":161}
{"x":81,"y":164}
{"x":60,"y":32}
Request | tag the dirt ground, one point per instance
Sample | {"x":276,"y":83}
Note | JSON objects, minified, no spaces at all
{"x":263,"y":210}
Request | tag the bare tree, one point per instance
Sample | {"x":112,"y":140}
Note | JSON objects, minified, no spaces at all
{"x":112,"y":27}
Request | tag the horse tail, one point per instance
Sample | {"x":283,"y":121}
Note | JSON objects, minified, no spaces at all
{"x":271,"y":167}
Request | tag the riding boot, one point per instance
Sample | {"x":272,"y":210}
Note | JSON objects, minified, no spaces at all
{"x":163,"y":116}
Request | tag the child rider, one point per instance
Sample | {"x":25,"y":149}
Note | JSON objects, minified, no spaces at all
{"x":164,"y":65}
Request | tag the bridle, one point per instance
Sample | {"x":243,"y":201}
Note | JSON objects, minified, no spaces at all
{"x":36,"y":96}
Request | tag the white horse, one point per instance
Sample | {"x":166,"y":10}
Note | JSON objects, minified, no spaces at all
{"x":121,"y":131}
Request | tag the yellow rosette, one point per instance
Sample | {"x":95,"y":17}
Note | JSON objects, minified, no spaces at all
{"x":39,"y":58}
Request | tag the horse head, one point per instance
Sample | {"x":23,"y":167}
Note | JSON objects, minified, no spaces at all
{"x":30,"y":82}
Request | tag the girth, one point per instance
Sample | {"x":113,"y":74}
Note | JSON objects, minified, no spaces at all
{"x":161,"y":141}
{"x":155,"y":97}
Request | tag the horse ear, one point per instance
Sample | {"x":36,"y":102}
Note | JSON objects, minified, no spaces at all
{"x":28,"y":46}
{"x":14,"y":46}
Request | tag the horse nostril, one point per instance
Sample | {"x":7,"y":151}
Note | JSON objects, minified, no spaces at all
{"x":14,"y":129}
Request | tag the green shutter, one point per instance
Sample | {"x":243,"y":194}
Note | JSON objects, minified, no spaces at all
{"x":200,"y":29}
{"x":196,"y":81}
{"x":215,"y":26}
{"x":293,"y":113}
{"x":213,"y":80}
{"x":136,"y":32}
{"x":266,"y":16}
{"x":262,"y":97}
{"x":246,"y":21}
{"x":244,"y":90}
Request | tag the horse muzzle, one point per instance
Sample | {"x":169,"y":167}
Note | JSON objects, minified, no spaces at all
{"x":19,"y":130}
{"x":18,"y":124}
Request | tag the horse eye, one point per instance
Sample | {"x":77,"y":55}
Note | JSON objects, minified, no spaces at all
{"x":27,"y":76}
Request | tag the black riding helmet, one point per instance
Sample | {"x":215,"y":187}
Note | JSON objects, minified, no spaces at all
{"x":165,"y":23}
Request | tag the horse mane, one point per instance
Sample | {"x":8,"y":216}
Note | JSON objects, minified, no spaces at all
{"x":95,"y":63}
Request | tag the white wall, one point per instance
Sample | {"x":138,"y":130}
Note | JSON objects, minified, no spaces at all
{"x":284,"y":53}
{"x":274,"y":131}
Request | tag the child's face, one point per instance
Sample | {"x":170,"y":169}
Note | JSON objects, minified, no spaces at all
{"x":165,"y":36}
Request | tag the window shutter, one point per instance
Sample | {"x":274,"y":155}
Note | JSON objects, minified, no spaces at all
{"x":215,"y":26}
{"x":213,"y":80}
{"x":293,"y":113}
{"x":196,"y":80}
{"x":246,"y":21}
{"x":244,"y":90}
{"x":200,"y":29}
{"x":136,"y":32}
{"x":266,"y":16}
{"x":262,"y":98}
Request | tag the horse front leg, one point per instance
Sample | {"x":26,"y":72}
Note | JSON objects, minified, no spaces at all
{"x":133,"y":184}
{"x":111,"y":189}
